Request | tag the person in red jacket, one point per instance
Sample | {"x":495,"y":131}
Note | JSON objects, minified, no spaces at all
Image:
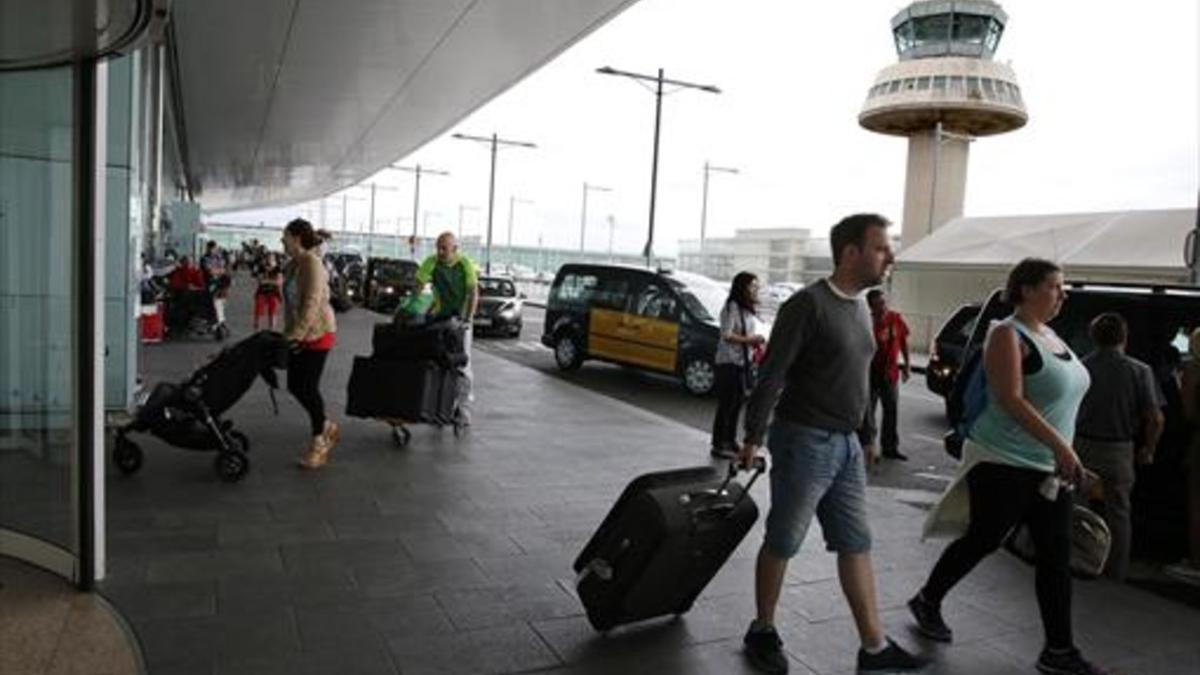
{"x":891,"y":341}
{"x":186,"y":277}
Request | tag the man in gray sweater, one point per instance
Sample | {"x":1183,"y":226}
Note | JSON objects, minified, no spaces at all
{"x":819,"y":355}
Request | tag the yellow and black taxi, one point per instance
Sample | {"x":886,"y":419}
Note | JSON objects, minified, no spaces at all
{"x":658,"y":320}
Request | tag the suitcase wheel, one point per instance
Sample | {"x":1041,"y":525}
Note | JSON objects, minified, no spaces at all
{"x":401,"y":436}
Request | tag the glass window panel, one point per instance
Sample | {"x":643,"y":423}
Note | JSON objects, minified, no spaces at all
{"x":993,"y":35}
{"x":910,"y":84}
{"x":36,"y":304}
{"x":970,"y":28}
{"x":894,"y":86}
{"x":988,"y":90}
{"x":922,"y":83}
{"x":939,"y":82}
{"x":931,"y":29}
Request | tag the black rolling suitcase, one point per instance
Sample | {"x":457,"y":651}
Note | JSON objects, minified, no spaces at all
{"x":420,"y":391}
{"x":666,"y":537}
{"x":439,"y":341}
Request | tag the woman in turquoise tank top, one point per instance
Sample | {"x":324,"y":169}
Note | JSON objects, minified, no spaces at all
{"x":1020,"y":456}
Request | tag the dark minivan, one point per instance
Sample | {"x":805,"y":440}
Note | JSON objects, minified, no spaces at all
{"x":662,"y":321}
{"x":1160,"y":320}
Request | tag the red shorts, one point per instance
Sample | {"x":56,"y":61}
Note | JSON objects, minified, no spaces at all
{"x":267,"y":304}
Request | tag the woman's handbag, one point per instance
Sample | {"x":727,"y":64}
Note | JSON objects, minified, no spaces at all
{"x":1090,"y":543}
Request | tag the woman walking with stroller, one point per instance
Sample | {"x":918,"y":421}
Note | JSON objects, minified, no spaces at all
{"x":1019,"y":465}
{"x":739,"y":339}
{"x":311,"y":331}
{"x":268,"y":294}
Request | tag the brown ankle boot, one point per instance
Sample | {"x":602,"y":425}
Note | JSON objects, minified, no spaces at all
{"x":331,"y":433}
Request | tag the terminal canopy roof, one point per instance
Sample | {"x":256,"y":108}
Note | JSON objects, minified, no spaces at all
{"x":279,"y":101}
{"x":1133,"y":241}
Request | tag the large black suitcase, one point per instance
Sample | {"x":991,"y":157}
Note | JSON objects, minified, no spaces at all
{"x":666,"y":537}
{"x":419,"y":391}
{"x":439,"y":341}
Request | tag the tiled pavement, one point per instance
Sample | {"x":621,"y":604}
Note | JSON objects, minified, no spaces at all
{"x":453,"y":555}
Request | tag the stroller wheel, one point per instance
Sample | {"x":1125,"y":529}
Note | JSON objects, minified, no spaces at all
{"x":239,"y":442}
{"x":231,"y":466}
{"x":401,"y":436}
{"x":127,"y":455}
{"x":221,"y":332}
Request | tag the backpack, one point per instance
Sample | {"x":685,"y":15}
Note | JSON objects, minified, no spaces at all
{"x":966,"y":402}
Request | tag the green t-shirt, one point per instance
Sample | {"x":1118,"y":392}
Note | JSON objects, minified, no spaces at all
{"x":452,"y":283}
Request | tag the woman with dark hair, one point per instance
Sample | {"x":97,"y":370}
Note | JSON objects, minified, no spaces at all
{"x":739,"y":336}
{"x":1019,"y":465}
{"x":311,"y":329}
{"x":268,"y":294}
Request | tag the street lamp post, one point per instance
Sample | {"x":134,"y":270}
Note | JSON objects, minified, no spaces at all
{"x":583,"y":211}
{"x":417,"y":170}
{"x":708,"y":168}
{"x":494,"y":141}
{"x":612,"y":222}
{"x":660,"y":81}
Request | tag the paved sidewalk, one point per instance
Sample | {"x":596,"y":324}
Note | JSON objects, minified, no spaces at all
{"x":453,"y":555}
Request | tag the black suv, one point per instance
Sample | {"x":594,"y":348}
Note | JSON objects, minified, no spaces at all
{"x":388,"y":282}
{"x":1160,"y":320}
{"x":946,"y":352}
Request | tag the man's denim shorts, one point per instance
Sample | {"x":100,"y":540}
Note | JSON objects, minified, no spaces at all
{"x":816,"y":471}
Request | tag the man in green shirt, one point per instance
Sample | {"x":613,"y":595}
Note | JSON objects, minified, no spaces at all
{"x":454,"y":279}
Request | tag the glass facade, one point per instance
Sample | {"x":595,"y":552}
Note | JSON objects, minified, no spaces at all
{"x":37,"y":301}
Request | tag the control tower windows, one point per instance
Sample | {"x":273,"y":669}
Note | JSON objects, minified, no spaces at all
{"x":894,"y":86}
{"x":939,"y":82}
{"x":931,"y":29}
{"x":971,"y":28}
{"x":995,"y":28}
{"x":922,"y":83}
{"x":974,"y":90}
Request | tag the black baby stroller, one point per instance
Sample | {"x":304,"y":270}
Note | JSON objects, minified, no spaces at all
{"x":193,"y":313}
{"x":188,"y":414}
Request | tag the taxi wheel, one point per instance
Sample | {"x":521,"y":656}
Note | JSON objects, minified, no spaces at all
{"x":699,"y":375}
{"x":568,"y":354}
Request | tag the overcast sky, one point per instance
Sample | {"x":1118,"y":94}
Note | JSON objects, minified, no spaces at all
{"x":1110,"y":87}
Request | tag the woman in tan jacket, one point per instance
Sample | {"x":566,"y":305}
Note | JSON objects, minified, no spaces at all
{"x":311,"y":330}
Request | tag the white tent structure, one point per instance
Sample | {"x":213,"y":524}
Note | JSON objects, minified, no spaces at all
{"x":967,"y":258}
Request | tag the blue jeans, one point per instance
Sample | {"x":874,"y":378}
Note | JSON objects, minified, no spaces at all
{"x":816,"y":471}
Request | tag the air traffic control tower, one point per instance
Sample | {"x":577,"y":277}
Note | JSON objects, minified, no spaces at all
{"x":945,"y":91}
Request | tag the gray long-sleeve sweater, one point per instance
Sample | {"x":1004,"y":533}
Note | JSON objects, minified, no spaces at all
{"x":819,"y":354}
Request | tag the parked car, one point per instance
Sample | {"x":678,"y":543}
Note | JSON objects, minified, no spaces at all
{"x":660,"y":321}
{"x":500,"y":307}
{"x":1160,"y":320}
{"x":388,"y":282}
{"x":946,"y":351}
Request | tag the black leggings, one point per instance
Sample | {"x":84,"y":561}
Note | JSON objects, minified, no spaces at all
{"x":304,"y":381}
{"x":731,"y":393}
{"x":1001,"y":497}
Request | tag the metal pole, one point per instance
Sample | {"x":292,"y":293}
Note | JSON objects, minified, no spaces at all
{"x":344,"y":228}
{"x":487,"y":266}
{"x":583,"y":218}
{"x":649,"y":252}
{"x":371,"y":235}
{"x":611,"y":222}
{"x":412,"y":244}
{"x":704,"y":210}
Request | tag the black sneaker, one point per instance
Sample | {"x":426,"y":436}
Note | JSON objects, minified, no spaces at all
{"x":765,"y":650}
{"x":1067,"y":663}
{"x":929,"y":619}
{"x":892,"y":659}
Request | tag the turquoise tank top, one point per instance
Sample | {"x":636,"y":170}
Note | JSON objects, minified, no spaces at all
{"x":1055,"y":391}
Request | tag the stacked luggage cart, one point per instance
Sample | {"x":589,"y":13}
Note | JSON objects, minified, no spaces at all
{"x":413,"y":376}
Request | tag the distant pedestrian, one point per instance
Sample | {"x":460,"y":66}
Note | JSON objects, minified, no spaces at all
{"x":312,"y":331}
{"x":891,"y":342}
{"x":820,"y":354}
{"x":734,"y":361}
{"x":1188,"y":570}
{"x":1120,"y":419}
{"x":454,"y":280}
{"x":269,"y":293}
{"x":1018,"y":465}
{"x":217,"y":279}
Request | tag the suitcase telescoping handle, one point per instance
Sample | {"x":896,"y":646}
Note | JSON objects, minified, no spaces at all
{"x":758,"y":465}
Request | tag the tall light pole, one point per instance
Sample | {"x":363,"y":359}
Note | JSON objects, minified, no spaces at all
{"x":417,"y":170}
{"x":583,"y":211}
{"x":513,"y":200}
{"x":660,"y":81}
{"x":494,"y":141}
{"x":708,"y":168}
{"x":612,"y":223}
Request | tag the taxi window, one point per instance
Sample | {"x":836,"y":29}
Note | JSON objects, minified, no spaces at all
{"x":656,"y":302}
{"x":612,"y":293}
